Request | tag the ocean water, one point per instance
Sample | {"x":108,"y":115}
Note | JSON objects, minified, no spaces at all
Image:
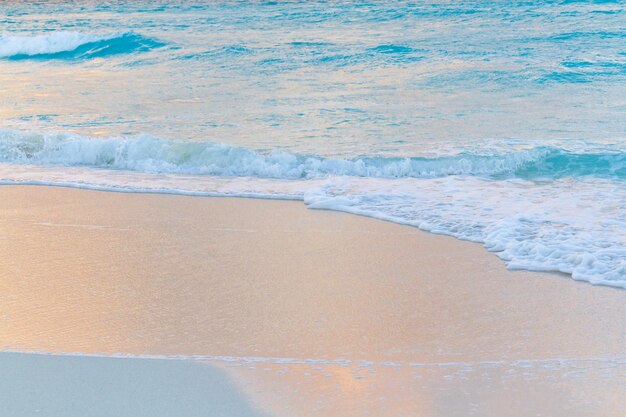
{"x":502,"y":123}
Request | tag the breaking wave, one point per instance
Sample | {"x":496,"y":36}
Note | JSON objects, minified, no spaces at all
{"x":154,"y":155}
{"x":73,"y":45}
{"x":542,"y":208}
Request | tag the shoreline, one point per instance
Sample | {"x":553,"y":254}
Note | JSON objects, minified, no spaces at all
{"x":286,"y":306}
{"x":552,"y":362}
{"x":288,"y":198}
{"x":148,"y":387}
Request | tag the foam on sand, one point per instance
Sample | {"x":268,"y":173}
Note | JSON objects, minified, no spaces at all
{"x":374,"y":318}
{"x":543,"y":208}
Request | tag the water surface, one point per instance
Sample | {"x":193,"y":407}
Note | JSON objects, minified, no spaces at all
{"x":500,"y":124}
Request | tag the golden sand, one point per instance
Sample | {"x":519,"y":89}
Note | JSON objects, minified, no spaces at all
{"x":100,"y":272}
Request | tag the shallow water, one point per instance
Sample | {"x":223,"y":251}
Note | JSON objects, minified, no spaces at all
{"x":498,"y":124}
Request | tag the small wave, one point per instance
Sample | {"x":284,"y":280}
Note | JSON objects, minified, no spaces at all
{"x":154,"y":155}
{"x":73,"y":45}
{"x":544,"y":208}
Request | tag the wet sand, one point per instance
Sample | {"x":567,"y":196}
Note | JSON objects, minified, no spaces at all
{"x":307,"y":312}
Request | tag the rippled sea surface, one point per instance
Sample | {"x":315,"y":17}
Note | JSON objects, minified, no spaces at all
{"x":501,"y":123}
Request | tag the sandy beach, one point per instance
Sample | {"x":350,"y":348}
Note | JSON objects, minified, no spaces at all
{"x":312,"y":208}
{"x":302,"y":312}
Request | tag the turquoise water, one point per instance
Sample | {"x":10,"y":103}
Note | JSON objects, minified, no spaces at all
{"x":499,"y":123}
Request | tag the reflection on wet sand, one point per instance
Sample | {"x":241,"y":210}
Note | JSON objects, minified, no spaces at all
{"x":171,"y":275}
{"x":573,"y":389}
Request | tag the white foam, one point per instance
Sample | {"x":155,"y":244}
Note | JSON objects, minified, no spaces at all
{"x":151,"y":154}
{"x":50,"y":43}
{"x":571,"y":224}
{"x":577,"y":227}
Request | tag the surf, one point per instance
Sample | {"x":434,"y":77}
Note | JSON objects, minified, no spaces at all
{"x":156,"y":155}
{"x":73,"y":45}
{"x":543,"y":208}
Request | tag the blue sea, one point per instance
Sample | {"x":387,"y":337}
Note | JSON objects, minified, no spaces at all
{"x":502,"y":123}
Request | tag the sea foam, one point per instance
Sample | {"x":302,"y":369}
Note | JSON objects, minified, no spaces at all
{"x":150,"y":154}
{"x":543,"y":209}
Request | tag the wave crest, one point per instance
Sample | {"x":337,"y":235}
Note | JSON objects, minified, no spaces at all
{"x":150,"y":154}
{"x":73,"y":45}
